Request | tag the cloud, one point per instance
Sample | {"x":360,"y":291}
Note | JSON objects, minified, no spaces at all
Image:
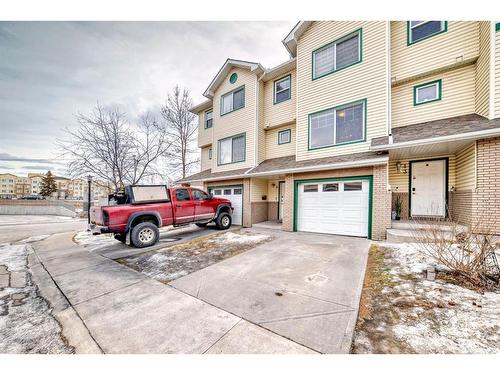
{"x":50,"y":71}
{"x":8,"y":157}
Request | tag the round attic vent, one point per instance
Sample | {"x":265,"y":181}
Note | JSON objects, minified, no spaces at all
{"x":233,"y":78}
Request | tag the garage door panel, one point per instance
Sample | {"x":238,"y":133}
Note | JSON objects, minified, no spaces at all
{"x":336,"y":212}
{"x":236,"y":198}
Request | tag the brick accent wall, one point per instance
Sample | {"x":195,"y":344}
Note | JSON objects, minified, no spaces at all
{"x":287,"y":224}
{"x":247,"y":208}
{"x":486,"y":200}
{"x":272,"y":211}
{"x":259,"y":212}
{"x":460,"y":206}
{"x":381,"y":213}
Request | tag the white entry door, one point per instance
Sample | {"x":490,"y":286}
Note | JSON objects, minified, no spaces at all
{"x":335,"y":207}
{"x":235,"y":195}
{"x":428,"y":188}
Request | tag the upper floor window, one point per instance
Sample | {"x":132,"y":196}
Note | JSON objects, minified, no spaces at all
{"x":210,"y":154}
{"x":427,"y":92}
{"x":233,"y":100}
{"x":209,"y":119}
{"x":339,"y":125}
{"x":420,"y":30}
{"x":231,"y":150}
{"x":284,"y":136}
{"x":337,"y":55}
{"x":282,"y":89}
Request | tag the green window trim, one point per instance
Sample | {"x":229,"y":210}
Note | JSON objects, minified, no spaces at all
{"x":205,"y":120}
{"x":289,"y":131}
{"x":497,"y":26}
{"x":347,"y":36}
{"x":408,"y":34}
{"x":365,"y":119}
{"x":289,"y":76}
{"x":233,"y":78}
{"x":230,"y":92}
{"x":440,"y":90}
{"x":368,"y":178}
{"x":244,"y":150}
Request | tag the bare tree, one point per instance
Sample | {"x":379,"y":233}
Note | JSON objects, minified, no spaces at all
{"x":108,"y":148}
{"x":180,"y":127}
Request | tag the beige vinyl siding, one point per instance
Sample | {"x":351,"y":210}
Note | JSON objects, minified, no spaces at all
{"x":457,"y":98}
{"x":399,"y":181}
{"x":466,"y":168}
{"x":497,"y":74}
{"x":262,"y":134}
{"x":204,"y":135}
{"x":483,"y":70}
{"x":258,"y":189}
{"x":273,"y":149}
{"x":365,"y":80}
{"x":206,"y":163}
{"x":284,"y":112}
{"x":240,"y":121}
{"x":458,"y":44}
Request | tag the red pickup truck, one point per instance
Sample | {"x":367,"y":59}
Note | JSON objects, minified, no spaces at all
{"x":136,"y":217}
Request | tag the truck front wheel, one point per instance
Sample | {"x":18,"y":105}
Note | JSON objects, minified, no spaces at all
{"x":223,"y":221}
{"x":144,"y":234}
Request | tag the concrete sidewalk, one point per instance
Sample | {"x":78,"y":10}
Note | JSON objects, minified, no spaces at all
{"x":114,"y":309}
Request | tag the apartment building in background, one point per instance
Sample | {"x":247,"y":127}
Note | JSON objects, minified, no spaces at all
{"x":363,"y":119}
{"x":12,"y":186}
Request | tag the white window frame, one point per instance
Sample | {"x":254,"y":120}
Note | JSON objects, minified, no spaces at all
{"x":340,"y":107}
{"x":334,"y":45}
{"x":231,"y":94}
{"x":276,"y":92}
{"x":411,"y":27}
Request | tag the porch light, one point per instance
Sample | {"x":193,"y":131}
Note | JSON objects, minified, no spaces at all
{"x":401,"y":168}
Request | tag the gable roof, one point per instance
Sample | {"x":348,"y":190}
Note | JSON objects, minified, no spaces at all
{"x":290,"y":41}
{"x":224,"y":70}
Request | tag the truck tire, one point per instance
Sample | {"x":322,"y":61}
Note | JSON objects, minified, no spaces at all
{"x":144,"y":235}
{"x":223,"y":221}
{"x":122,"y":237}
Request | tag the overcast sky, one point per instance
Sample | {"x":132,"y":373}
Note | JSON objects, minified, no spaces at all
{"x":51,"y":70}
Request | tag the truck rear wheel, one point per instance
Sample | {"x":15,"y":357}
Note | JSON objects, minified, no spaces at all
{"x":223,"y":221}
{"x":144,"y":234}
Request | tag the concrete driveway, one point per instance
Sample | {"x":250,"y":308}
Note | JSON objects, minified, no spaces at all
{"x":305,"y":287}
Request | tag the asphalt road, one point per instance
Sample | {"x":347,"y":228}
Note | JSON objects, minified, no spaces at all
{"x":18,"y":231}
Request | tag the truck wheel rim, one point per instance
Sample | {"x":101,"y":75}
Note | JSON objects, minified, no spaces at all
{"x":225,"y":221}
{"x":146,"y":235}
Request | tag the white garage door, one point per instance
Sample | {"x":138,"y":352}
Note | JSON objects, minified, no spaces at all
{"x":335,"y":207}
{"x":235,"y":195}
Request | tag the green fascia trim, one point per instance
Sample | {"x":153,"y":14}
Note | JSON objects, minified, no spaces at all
{"x":282,"y":131}
{"x":360,"y":31}
{"x":230,"y":137}
{"x":440,"y":89}
{"x":205,"y":118}
{"x":497,"y":26}
{"x":229,"y":92}
{"x":335,"y":179}
{"x":289,"y":92}
{"x":409,"y":43}
{"x":365,"y":100}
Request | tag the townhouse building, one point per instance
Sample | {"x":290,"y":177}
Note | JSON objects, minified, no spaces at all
{"x":364,"y":118}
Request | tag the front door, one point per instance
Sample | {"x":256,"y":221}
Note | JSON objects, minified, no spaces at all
{"x":428,"y":188}
{"x":281,"y":200}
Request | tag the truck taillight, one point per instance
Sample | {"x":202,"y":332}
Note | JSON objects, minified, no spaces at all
{"x":105,"y":217}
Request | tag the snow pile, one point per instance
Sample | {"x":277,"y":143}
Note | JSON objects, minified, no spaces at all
{"x":94,"y":242}
{"x":240,"y":239}
{"x":26,"y":325}
{"x":414,"y":315}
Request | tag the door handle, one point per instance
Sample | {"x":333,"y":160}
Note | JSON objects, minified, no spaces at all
{"x":178,"y":206}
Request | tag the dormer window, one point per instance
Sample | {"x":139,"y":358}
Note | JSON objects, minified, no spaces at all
{"x":232,"y":101}
{"x":208,"y":119}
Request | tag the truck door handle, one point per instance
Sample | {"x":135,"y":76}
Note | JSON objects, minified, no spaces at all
{"x":178,"y":206}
